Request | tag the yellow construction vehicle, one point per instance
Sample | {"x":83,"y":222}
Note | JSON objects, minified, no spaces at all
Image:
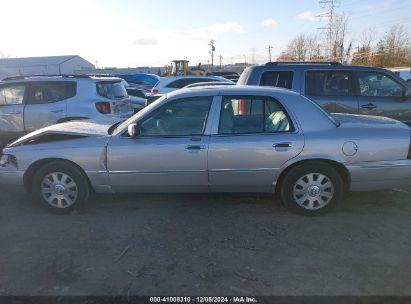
{"x":181,"y":68}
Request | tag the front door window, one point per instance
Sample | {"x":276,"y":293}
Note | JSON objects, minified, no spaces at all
{"x":183,"y":117}
{"x":378,"y":84}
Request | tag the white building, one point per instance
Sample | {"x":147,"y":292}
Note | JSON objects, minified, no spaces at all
{"x":50,"y":65}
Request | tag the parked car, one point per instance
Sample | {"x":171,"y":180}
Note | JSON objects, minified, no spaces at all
{"x":222,"y":139}
{"x":133,"y":91}
{"x":338,"y":88}
{"x":140,"y":80}
{"x":29,"y":103}
{"x":171,"y":83}
{"x":137,"y":96}
{"x":404,"y":73}
{"x":233,"y":76}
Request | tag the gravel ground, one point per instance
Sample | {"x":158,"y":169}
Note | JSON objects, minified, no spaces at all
{"x":173,"y":244}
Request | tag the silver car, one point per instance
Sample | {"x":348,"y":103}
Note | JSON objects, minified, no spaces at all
{"x":221,"y":139}
{"x":28,"y":103}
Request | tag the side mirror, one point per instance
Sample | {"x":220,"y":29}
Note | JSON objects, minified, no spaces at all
{"x":133,"y":130}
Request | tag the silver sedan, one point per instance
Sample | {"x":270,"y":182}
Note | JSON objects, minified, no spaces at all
{"x":215,"y":139}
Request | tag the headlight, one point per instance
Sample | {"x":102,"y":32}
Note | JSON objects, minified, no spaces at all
{"x":8,"y":160}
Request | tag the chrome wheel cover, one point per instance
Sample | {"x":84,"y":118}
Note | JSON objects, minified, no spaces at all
{"x":313,"y":191}
{"x":59,"y":190}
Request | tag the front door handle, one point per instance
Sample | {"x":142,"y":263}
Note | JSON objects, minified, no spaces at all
{"x":56,"y":111}
{"x":282,"y":145}
{"x":369,"y":106}
{"x":195,"y":147}
{"x":14,"y":113}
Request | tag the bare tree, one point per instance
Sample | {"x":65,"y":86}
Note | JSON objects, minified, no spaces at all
{"x":302,"y":48}
{"x":308,"y":47}
{"x":394,"y":48}
{"x":363,"y":53}
{"x":339,"y":30}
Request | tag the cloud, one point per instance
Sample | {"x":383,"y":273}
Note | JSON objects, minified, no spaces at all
{"x":307,"y":16}
{"x":270,"y":22}
{"x":217,"y":28}
{"x":145,"y":41}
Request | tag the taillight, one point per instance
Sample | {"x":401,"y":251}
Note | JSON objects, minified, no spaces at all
{"x":103,"y":107}
{"x":409,"y":152}
{"x":154,"y":91}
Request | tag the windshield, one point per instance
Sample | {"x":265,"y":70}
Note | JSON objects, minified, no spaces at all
{"x":111,"y":90}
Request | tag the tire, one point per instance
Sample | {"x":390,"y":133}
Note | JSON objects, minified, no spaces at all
{"x":60,"y":187}
{"x":311,"y":189}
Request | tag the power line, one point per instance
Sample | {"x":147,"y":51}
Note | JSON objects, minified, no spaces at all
{"x":330,"y":6}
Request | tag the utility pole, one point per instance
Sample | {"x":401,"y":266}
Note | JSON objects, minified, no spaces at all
{"x":269,"y":52}
{"x":253,"y":56}
{"x":330,"y":6}
{"x":221,"y":57}
{"x":211,"y":44}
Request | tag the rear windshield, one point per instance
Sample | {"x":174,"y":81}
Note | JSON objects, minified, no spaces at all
{"x":111,"y":89}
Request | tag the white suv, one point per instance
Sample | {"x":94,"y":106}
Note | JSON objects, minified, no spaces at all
{"x":28,"y":103}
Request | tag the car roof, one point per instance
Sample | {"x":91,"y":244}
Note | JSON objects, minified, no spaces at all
{"x":211,"y":83}
{"x":231,"y":90}
{"x":313,"y":66}
{"x":30,"y":78}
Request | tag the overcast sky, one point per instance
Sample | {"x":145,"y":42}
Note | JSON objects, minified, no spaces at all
{"x":130,"y":33}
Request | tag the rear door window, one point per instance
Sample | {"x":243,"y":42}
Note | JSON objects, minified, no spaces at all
{"x":111,"y":89}
{"x":328,"y":83}
{"x":51,"y":91}
{"x":245,"y":115}
{"x":12,"y":94}
{"x":282,"y":79}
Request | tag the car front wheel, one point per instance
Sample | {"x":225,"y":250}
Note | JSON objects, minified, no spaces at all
{"x":311,"y":188}
{"x":60,"y":187}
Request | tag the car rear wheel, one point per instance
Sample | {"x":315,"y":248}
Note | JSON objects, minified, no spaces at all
{"x":60,"y":187}
{"x":312,"y":188}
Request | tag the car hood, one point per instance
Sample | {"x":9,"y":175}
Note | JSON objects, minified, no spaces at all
{"x":355,"y":121}
{"x":71,"y":129}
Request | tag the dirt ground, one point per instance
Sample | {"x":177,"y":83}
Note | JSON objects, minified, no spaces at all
{"x":206,"y":245}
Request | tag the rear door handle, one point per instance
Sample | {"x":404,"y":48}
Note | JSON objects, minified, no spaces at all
{"x":369,"y":106}
{"x":282,"y":145}
{"x":195,"y":147}
{"x":57,"y":111}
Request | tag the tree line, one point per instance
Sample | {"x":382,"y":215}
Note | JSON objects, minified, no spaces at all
{"x":393,"y":49}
